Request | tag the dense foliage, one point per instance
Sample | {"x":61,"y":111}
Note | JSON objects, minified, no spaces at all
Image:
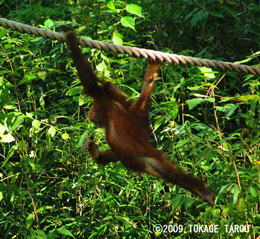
{"x":207,"y":121}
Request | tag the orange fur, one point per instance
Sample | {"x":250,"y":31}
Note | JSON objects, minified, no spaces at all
{"x":126,"y":124}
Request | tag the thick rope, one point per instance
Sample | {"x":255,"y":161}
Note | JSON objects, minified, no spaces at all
{"x":138,"y":52}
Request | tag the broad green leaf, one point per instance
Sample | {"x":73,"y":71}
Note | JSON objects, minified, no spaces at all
{"x":65,"y":232}
{"x":82,"y":100}
{"x":102,"y":66}
{"x":158,"y":122}
{"x":207,"y":72}
{"x":8,"y":138}
{"x":111,"y":5}
{"x":225,"y":146}
{"x":117,"y":38}
{"x":82,"y":139}
{"x":44,"y":208}
{"x":42,"y":102}
{"x":48,"y":23}
{"x":36,"y":124}
{"x":27,"y":79}
{"x":29,"y":220}
{"x":182,"y":142}
{"x":236,"y":193}
{"x":42,"y":74}
{"x":52,"y":131}
{"x":8,"y":46}
{"x":74,"y":91}
{"x":241,"y":205}
{"x":10,"y":107}
{"x":128,"y":22}
{"x":194,"y":102}
{"x":210,"y":99}
{"x":65,"y":136}
{"x":198,"y":16}
{"x":17,"y":122}
{"x":229,"y":109}
{"x":223,"y":189}
{"x":194,"y":88}
{"x":134,"y":9}
{"x":2,"y":129}
{"x":60,"y":193}
{"x":253,"y":192}
{"x":3,"y":32}
{"x":1,"y":196}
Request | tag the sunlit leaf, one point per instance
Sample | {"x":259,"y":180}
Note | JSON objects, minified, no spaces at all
{"x":128,"y":22}
{"x":48,"y":23}
{"x":36,"y":124}
{"x":1,"y":196}
{"x":134,"y":9}
{"x":253,"y":192}
{"x":52,"y":131}
{"x":236,"y":193}
{"x":65,"y":136}
{"x":194,"y":102}
{"x":65,"y":232}
{"x":117,"y":38}
{"x":8,"y":138}
{"x":111,"y":5}
{"x":42,"y":102}
{"x":74,"y":91}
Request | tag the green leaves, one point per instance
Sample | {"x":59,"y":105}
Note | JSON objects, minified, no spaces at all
{"x":206,"y":121}
{"x":76,"y":90}
{"x":65,"y":232}
{"x":112,"y":6}
{"x":196,"y":101}
{"x":128,"y":22}
{"x":124,"y":13}
{"x":49,"y":23}
{"x":52,"y":131}
{"x":117,"y":38}
{"x":36,"y":124}
{"x":134,"y":9}
{"x":7,"y":138}
{"x":196,"y":16}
